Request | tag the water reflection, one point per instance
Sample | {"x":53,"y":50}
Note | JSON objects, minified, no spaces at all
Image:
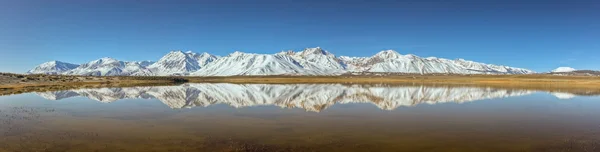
{"x":311,"y":97}
{"x":528,"y":121}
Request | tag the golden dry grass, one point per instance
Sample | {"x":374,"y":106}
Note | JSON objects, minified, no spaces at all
{"x":574,"y":84}
{"x":545,"y":80}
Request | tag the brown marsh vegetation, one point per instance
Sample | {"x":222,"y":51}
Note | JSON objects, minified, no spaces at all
{"x":18,"y":83}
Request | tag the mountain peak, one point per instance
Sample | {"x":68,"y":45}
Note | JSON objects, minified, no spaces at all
{"x":53,"y":67}
{"x":106,"y":58}
{"x":178,"y":62}
{"x":237,"y":53}
{"x":103,"y":60}
{"x":288,"y":52}
{"x":53,"y":62}
{"x":388,"y":54}
{"x":174,"y":55}
{"x":564,"y":69}
{"x":176,"y":52}
{"x":316,"y":50}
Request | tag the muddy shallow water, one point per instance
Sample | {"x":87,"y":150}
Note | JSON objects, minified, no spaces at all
{"x":301,"y":117}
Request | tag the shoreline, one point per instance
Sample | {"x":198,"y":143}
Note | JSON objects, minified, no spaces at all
{"x":582,"y":85}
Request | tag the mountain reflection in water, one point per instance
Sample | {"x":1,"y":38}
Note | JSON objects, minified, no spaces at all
{"x":530,"y":120}
{"x":311,"y":97}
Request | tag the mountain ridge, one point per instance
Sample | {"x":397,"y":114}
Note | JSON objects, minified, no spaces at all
{"x":309,"y":61}
{"x":53,"y":67}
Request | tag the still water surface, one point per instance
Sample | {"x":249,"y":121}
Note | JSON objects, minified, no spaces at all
{"x":299,"y":117}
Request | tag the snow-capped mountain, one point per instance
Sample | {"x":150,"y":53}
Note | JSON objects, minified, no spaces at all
{"x":317,"y":59}
{"x":106,"y":67}
{"x":310,"y":61}
{"x":178,"y":63}
{"x":564,"y":69}
{"x":311,"y":97}
{"x":239,"y":63}
{"x":476,"y":67}
{"x":392,"y":61}
{"x":52,"y":67}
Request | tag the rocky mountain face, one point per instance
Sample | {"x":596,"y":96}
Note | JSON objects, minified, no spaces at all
{"x":311,"y":97}
{"x":310,"y":61}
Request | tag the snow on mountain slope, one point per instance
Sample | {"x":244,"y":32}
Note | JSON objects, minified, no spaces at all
{"x":178,"y":63}
{"x":317,"y":59}
{"x":392,"y":61}
{"x":564,"y":69}
{"x":144,"y":63}
{"x":203,"y":58}
{"x":52,"y":67}
{"x":239,"y":63}
{"x":482,"y":68}
{"x":310,"y":61}
{"x":106,"y":67}
{"x":311,"y":97}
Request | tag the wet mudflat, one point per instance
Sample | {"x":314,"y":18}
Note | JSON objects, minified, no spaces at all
{"x":320,"y":117}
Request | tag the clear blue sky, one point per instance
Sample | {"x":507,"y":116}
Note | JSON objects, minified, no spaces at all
{"x":528,"y":34}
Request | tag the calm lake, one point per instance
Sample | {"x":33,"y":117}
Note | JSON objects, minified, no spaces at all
{"x":299,"y":117}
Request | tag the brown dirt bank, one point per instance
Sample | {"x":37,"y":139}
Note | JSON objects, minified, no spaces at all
{"x":17,"y":83}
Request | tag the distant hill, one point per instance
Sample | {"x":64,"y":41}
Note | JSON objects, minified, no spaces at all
{"x":578,"y":73}
{"x":564,"y":69}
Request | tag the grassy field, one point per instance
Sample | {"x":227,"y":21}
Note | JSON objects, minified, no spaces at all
{"x":576,"y":84}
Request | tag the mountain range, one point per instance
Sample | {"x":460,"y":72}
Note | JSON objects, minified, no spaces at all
{"x":311,"y":97}
{"x":310,"y":61}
